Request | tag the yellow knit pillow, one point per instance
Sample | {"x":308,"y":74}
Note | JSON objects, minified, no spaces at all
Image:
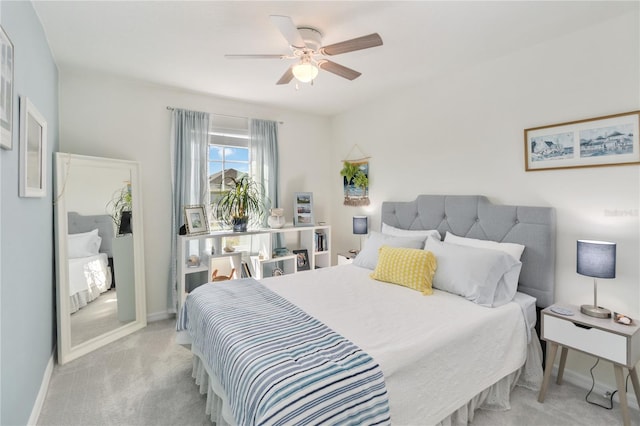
{"x":412,"y":268}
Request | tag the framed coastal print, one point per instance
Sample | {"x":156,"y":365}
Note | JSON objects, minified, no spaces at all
{"x":303,"y":209}
{"x":33,"y":150}
{"x":302,"y":260}
{"x":602,"y":141}
{"x":6,"y":91}
{"x":196,"y":220}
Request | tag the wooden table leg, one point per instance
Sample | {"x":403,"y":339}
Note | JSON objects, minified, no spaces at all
{"x":563,"y":361}
{"x":622,"y":394}
{"x":552,"y":349}
{"x":636,"y":384}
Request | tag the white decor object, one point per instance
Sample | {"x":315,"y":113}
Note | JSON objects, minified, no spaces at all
{"x":276,"y":219}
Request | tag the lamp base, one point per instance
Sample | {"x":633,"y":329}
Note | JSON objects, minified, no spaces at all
{"x":595,"y":311}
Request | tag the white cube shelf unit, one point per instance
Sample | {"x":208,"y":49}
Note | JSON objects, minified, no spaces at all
{"x":258,"y":254}
{"x":315,"y":239}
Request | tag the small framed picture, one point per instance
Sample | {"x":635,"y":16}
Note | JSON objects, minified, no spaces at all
{"x":196,"y":220}
{"x":302,"y":260}
{"x":33,"y":150}
{"x":303,"y":209}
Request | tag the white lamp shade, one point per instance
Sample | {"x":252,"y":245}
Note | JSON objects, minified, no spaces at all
{"x":596,"y":259}
{"x":305,"y":72}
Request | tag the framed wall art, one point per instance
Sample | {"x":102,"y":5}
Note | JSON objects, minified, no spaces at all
{"x":355,"y":178}
{"x":33,"y":150}
{"x":196,"y":220}
{"x":602,"y":141}
{"x":6,"y":91}
{"x":303,"y":209}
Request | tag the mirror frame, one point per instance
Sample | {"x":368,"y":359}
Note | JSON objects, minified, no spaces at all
{"x":63,"y":162}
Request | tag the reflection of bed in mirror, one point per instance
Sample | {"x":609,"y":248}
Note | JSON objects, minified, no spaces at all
{"x":90,"y":255}
{"x":88,"y":186}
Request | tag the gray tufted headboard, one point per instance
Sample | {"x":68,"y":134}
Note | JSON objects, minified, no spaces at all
{"x":474,"y":216}
{"x":79,"y":223}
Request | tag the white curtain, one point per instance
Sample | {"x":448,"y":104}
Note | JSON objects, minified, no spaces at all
{"x":263,"y":143}
{"x":189,"y":179}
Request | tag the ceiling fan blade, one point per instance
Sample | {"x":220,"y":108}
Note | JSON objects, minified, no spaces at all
{"x":288,"y":30}
{"x":255,"y":56}
{"x":286,"y":77}
{"x":364,"y":42}
{"x":338,"y":69}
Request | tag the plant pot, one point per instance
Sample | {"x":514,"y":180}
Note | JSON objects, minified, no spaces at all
{"x":240,"y":224}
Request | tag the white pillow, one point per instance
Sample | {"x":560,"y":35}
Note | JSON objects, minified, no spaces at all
{"x":368,"y":256}
{"x":84,"y":244}
{"x":397,"y":232}
{"x":513,"y":249}
{"x":484,"y":276}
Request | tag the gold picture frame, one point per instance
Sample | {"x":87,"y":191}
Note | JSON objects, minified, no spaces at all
{"x":609,"y":140}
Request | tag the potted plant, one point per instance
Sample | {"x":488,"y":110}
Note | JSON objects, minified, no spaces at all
{"x":242,"y":204}
{"x":120,"y":206}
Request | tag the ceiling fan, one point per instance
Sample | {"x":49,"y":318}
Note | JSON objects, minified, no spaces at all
{"x":306,"y":46}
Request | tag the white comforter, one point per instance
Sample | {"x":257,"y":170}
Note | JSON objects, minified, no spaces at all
{"x":436,"y":352}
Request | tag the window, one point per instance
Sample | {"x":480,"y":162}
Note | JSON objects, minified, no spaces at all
{"x":228,"y":158}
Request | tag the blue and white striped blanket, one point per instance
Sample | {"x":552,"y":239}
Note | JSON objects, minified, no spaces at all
{"x":279,"y":365}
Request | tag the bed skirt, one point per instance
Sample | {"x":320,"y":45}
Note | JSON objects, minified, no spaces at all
{"x":495,"y":397}
{"x":83,"y":298}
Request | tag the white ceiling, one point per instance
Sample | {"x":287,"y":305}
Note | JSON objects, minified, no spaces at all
{"x":182,"y":43}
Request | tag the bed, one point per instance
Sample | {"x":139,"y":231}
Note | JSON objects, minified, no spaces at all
{"x":90,"y":258}
{"x":443,"y":355}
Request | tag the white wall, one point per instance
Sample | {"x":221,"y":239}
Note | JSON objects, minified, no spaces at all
{"x":89,"y":196}
{"x":108,"y":116}
{"x":463,"y":134}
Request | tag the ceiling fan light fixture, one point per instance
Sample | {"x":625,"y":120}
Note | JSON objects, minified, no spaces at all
{"x":305,"y":71}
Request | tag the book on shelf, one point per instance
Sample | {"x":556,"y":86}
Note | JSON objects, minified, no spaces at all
{"x":319,"y":241}
{"x":246,"y":271}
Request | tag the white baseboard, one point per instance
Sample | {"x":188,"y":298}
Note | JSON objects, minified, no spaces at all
{"x":42,"y":393}
{"x":584,"y":382}
{"x":159,"y":316}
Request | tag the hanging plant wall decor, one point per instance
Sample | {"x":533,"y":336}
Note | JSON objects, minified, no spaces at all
{"x":355,"y":180}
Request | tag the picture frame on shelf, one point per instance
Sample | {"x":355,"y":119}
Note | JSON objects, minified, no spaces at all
{"x":6,"y":83}
{"x":196,"y":220}
{"x":303,"y":209}
{"x":33,"y":150}
{"x":302,"y":260}
{"x":602,"y":141}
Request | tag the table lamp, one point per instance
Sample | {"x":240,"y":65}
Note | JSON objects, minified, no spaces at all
{"x":596,"y":259}
{"x":360,"y":227}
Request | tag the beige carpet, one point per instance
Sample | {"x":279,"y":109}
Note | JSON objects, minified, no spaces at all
{"x":145,"y":379}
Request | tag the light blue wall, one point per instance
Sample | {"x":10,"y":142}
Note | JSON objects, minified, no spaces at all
{"x":27,"y":279}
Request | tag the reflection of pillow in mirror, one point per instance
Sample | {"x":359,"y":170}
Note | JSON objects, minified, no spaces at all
{"x":83,"y":244}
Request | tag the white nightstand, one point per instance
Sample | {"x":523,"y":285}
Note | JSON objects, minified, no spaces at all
{"x":346,"y":258}
{"x":602,"y":338}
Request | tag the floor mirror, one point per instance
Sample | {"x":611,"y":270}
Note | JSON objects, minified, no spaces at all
{"x":99,"y":252}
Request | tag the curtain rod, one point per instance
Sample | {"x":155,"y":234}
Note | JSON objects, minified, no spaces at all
{"x":170,"y":108}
